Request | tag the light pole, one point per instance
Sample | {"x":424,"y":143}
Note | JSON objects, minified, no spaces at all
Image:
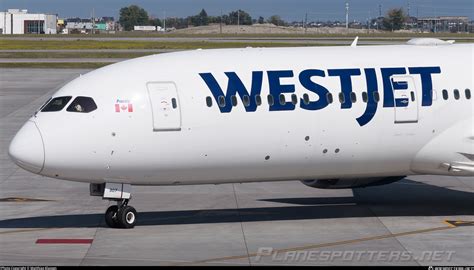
{"x":220,"y":23}
{"x":347,"y":15}
{"x":164,"y":21}
{"x":238,"y":17}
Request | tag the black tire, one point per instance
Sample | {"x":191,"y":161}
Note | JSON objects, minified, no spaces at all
{"x":111,"y":216}
{"x":127,"y":217}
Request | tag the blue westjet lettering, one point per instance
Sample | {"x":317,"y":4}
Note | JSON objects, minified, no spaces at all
{"x":235,"y":87}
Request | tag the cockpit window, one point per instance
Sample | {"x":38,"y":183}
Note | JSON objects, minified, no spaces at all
{"x":42,"y":106}
{"x":56,"y":104}
{"x":82,"y":105}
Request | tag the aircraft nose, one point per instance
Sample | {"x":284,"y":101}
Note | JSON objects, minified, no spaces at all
{"x":27,"y":148}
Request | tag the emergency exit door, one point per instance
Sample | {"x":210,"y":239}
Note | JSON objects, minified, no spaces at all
{"x":165,"y":106}
{"x":405,"y":99}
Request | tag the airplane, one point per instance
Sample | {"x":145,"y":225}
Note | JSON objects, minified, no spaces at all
{"x":331,"y":117}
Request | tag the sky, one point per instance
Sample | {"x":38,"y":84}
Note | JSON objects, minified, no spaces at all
{"x":290,"y":10}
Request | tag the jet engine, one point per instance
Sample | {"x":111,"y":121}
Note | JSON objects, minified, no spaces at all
{"x":351,"y":182}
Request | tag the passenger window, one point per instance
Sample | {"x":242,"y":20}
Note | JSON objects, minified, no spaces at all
{"x":82,"y":104}
{"x":282,"y":99}
{"x":233,"y":100}
{"x":306,"y":99}
{"x":209,"y":101}
{"x":270,"y":99}
{"x":353,"y":97}
{"x":365,"y":97}
{"x":445,"y":94}
{"x":258,"y":100}
{"x":329,"y":98}
{"x":376,"y":97}
{"x":221,"y":101}
{"x":294,"y":99}
{"x":342,"y":98}
{"x":467,"y":92}
{"x":246,"y":100}
{"x":56,"y":104}
{"x":456,"y":94}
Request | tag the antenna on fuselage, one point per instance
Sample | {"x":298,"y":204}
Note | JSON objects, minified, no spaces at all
{"x":354,"y":43}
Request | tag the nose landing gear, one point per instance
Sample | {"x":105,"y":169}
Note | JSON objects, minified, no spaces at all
{"x":121,"y":215}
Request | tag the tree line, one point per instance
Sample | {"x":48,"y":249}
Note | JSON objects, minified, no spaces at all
{"x":134,"y":15}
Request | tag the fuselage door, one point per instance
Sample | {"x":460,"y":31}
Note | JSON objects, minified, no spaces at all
{"x":165,"y":106}
{"x":406,"y":103}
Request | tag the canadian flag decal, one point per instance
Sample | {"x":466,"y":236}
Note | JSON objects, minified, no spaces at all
{"x":123,"y":106}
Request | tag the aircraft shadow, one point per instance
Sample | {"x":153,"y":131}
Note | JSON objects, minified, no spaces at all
{"x":405,"y":198}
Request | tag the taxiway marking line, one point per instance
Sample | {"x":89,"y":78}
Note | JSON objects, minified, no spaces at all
{"x":449,"y":224}
{"x":58,"y":241}
{"x":26,"y":230}
{"x":20,"y":199}
{"x":331,"y":244}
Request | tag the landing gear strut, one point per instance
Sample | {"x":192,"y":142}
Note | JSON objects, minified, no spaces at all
{"x":121,"y":215}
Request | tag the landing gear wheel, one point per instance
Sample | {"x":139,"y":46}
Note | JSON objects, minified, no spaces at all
{"x":127,"y":217}
{"x":111,"y":217}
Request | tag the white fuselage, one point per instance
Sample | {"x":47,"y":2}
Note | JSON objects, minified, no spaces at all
{"x":139,"y":135}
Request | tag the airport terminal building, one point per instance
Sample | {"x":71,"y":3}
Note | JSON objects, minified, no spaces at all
{"x":19,"y":21}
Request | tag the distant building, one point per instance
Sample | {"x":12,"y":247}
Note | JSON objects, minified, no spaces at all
{"x":17,"y":22}
{"x":444,"y":24}
{"x":144,"y":28}
{"x":78,"y":25}
{"x":105,"y":24}
{"x":411,"y":22}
